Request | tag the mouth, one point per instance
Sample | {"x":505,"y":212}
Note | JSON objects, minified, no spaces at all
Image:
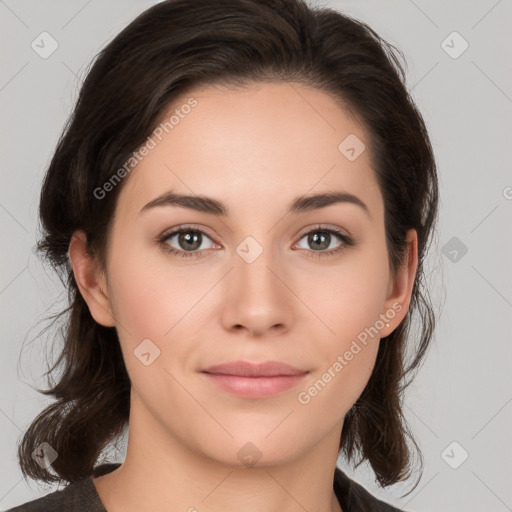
{"x":249,"y":380}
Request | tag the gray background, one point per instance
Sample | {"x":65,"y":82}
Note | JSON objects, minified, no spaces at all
{"x":463,"y":393}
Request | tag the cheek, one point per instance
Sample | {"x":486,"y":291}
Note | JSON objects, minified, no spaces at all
{"x":148,"y":304}
{"x":348,"y":348}
{"x":331,"y":393}
{"x":349,"y":297}
{"x":150,"y":291}
{"x":348,"y":303}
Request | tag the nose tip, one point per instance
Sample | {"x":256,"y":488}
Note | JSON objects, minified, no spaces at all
{"x":257,"y":300}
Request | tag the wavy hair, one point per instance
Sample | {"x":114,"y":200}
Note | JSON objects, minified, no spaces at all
{"x":169,"y":49}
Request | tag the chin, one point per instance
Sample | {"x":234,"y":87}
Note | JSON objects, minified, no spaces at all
{"x":254,"y":451}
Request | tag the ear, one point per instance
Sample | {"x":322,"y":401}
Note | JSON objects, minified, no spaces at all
{"x":90,"y":280}
{"x":400,"y":287}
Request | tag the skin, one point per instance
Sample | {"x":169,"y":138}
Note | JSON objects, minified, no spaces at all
{"x":255,"y":149}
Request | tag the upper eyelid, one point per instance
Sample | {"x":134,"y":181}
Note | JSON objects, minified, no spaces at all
{"x":174,"y":231}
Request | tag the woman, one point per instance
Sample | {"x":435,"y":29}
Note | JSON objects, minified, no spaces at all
{"x":240,"y":206}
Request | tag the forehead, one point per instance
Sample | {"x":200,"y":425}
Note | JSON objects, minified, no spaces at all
{"x":247,"y":145}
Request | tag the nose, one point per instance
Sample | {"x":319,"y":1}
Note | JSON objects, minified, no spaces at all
{"x":258,"y":296}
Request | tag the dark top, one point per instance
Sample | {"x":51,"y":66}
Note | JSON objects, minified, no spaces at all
{"x":81,"y":496}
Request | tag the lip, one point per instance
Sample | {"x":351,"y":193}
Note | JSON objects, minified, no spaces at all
{"x":246,"y":369}
{"x":250,"y":380}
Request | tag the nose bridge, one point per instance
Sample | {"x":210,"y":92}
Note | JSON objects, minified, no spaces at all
{"x":252,"y":266}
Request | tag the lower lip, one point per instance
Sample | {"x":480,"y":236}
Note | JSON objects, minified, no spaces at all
{"x":254,"y":387}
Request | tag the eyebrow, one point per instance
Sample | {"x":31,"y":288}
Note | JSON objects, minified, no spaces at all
{"x":213,"y":206}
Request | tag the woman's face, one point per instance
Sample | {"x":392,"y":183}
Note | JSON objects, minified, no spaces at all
{"x":266,"y":280}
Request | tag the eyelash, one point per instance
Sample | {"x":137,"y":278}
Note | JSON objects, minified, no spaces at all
{"x":346,"y":241}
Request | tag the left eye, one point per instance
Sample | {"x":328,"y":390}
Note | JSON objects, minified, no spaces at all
{"x":321,"y":239}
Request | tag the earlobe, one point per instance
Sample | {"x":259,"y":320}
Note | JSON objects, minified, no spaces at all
{"x":90,"y":280}
{"x":401,"y":285}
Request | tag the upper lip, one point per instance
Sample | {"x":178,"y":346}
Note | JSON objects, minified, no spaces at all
{"x":246,"y":369}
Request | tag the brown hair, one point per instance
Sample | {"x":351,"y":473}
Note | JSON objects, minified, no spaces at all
{"x":169,"y":49}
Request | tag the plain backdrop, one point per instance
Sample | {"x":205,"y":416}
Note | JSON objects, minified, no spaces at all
{"x":459,"y":56}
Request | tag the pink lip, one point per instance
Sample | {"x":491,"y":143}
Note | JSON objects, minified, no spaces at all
{"x":254,"y":380}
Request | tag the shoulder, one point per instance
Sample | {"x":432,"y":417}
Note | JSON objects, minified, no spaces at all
{"x":353,"y":497}
{"x":68,"y":499}
{"x":78,"y":496}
